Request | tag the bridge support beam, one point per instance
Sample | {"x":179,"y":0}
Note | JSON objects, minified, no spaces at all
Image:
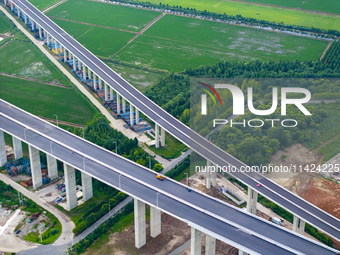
{"x":118,"y":104}
{"x":111,"y":93}
{"x":89,"y":73}
{"x":52,"y":167}
{"x":70,"y":185}
{"x":123,"y":105}
{"x":240,"y":252}
{"x":84,"y":73}
{"x":17,"y":147}
{"x":162,"y":137}
{"x":208,"y":175}
{"x":65,"y":55}
{"x":3,"y":156}
{"x":25,"y":18}
{"x":100,"y":83}
{"x":131,"y":115}
{"x":137,"y":116}
{"x":106,"y":92}
{"x":298,"y":225}
{"x":35,"y":166}
{"x":95,"y":82}
{"x":156,"y":135}
{"x":40,"y":33}
{"x":196,"y":238}
{"x":155,"y":221}
{"x":74,"y":63}
{"x":86,"y":183}
{"x":252,"y":201}
{"x":32,"y":22}
{"x":210,"y":245}
{"x":140,"y":231}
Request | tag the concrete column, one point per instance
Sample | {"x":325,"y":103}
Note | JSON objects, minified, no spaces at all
{"x":140,"y":232}
{"x":84,"y":72}
{"x":100,"y":83}
{"x":65,"y":55}
{"x":86,"y":183}
{"x":70,"y":185}
{"x":69,"y":55}
{"x":89,"y":73}
{"x":18,"y":12}
{"x":131,"y":115}
{"x":301,"y":229}
{"x":11,"y":6}
{"x":123,"y":105}
{"x":35,"y":167}
{"x":3,"y":157}
{"x":111,"y":93}
{"x":94,"y":82}
{"x":52,"y":167}
{"x":208,"y":176}
{"x":25,"y":17}
{"x":137,"y":116}
{"x":254,"y":202}
{"x":40,"y":34}
{"x":196,"y":238}
{"x":74,"y":64}
{"x":249,"y":199}
{"x":213,"y":177}
{"x":242,"y":252}
{"x":106,"y":92}
{"x":157,"y":135}
{"x":118,"y":103}
{"x":162,"y":137}
{"x":210,"y":245}
{"x":48,"y":39}
{"x":155,"y":221}
{"x":295,"y":223}
{"x":5,"y":2}
{"x":17,"y":147}
{"x":32,"y":24}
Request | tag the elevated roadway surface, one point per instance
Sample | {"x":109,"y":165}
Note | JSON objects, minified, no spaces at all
{"x":225,"y":222}
{"x":286,"y":199}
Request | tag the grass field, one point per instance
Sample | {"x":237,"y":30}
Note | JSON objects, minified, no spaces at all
{"x":4,"y":25}
{"x":332,"y":6}
{"x":43,"y":4}
{"x":331,"y":149}
{"x":273,"y":14}
{"x":104,"y":14}
{"x":140,"y":79}
{"x":189,"y":42}
{"x":24,"y":59}
{"x":44,"y":100}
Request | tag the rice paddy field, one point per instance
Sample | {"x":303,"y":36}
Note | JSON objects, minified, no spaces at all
{"x":331,"y":6}
{"x":4,"y":25}
{"x":189,"y":42}
{"x":270,"y":13}
{"x":24,"y":59}
{"x":45,"y":100}
{"x":43,"y":4}
{"x":103,"y":14}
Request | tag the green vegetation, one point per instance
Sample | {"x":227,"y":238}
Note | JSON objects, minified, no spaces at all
{"x":4,"y":24}
{"x":43,"y":4}
{"x":24,"y":59}
{"x":45,"y":100}
{"x":104,"y":14}
{"x":331,"y":149}
{"x":9,"y":196}
{"x":181,"y":40}
{"x":101,"y":234}
{"x":331,"y":6}
{"x":268,"y":13}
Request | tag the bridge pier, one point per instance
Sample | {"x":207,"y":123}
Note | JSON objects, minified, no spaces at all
{"x":123,"y":105}
{"x":70,"y":185}
{"x":210,"y":175}
{"x":3,"y":156}
{"x":100,"y":83}
{"x":210,"y":245}
{"x":52,"y":167}
{"x":162,"y":137}
{"x":118,"y":103}
{"x":86,"y":183}
{"x":252,"y":201}
{"x":40,"y":33}
{"x":156,"y":135}
{"x":84,"y":73}
{"x":111,"y":93}
{"x":298,"y":225}
{"x":25,"y":17}
{"x":131,"y":115}
{"x":240,"y":252}
{"x":106,"y":92}
{"x":17,"y":147}
{"x":140,"y":231}
{"x":35,"y":167}
{"x":196,"y":240}
{"x":89,"y":73}
{"x":95,"y":82}
{"x":74,"y":62}
{"x":137,"y":116}
{"x":155,"y":221}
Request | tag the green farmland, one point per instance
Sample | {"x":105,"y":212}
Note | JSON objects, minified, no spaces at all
{"x":4,"y":25}
{"x":43,"y":4}
{"x":331,"y":6}
{"x":45,"y":100}
{"x":24,"y":59}
{"x":273,"y":14}
{"x":102,"y":14}
{"x":191,"y":42}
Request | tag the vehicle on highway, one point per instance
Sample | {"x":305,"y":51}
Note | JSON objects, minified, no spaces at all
{"x":159,"y":177}
{"x":258,"y":185}
{"x":18,"y":231}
